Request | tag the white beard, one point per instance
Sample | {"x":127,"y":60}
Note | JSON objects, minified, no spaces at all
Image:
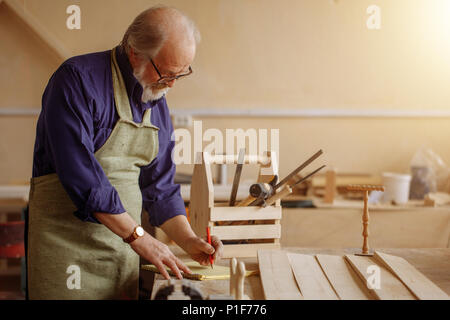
{"x":150,"y":91}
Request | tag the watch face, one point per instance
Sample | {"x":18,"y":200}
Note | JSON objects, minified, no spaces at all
{"x":140,"y":231}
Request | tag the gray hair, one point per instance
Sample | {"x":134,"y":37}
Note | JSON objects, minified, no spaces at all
{"x":149,"y":30}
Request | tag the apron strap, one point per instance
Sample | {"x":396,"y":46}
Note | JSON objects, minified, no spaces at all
{"x":121,"y":97}
{"x":146,"y":120}
{"x":120,"y":93}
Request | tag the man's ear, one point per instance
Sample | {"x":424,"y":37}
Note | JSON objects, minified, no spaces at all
{"x":132,"y":56}
{"x":131,"y":51}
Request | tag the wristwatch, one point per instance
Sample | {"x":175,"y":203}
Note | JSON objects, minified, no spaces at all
{"x":137,"y":233}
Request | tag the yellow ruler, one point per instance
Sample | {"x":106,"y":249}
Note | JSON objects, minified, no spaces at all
{"x":200,"y":272}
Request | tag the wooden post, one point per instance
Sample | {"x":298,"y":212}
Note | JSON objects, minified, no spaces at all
{"x":237,"y":278}
{"x":330,"y":186}
{"x":365,"y":219}
{"x":233,"y":282}
{"x":240,"y":277}
{"x":365,"y":216}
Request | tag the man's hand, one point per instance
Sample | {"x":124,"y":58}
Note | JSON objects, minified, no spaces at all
{"x":199,"y":249}
{"x":179,"y":230}
{"x":160,"y":255}
{"x":147,"y":247}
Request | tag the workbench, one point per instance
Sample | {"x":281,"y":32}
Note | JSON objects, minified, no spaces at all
{"x":434,"y":263}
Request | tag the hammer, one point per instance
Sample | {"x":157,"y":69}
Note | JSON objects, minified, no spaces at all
{"x":259,"y":192}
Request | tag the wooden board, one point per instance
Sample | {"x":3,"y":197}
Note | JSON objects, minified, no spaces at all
{"x":434,"y":263}
{"x":277,"y":278}
{"x":343,"y":279}
{"x":391,"y":288}
{"x":421,"y":286}
{"x":245,"y":213}
{"x":310,"y":278}
{"x":330,"y":186}
{"x":200,"y":272}
{"x":247,"y":250}
{"x":263,"y":231}
{"x":201,"y":196}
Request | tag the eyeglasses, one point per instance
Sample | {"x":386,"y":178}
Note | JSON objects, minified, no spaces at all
{"x":167,"y":79}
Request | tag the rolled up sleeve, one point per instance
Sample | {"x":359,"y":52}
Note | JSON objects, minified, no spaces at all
{"x":161,"y":196}
{"x":69,"y":131}
{"x":103,"y":199}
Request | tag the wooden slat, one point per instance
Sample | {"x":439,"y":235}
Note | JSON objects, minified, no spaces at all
{"x":234,"y":158}
{"x":343,"y":279}
{"x":245,"y":213}
{"x":391,"y":288}
{"x":263,"y":231}
{"x":201,"y":195}
{"x":277,"y":279}
{"x":310,"y":278}
{"x":247,"y":250}
{"x":422,"y":287}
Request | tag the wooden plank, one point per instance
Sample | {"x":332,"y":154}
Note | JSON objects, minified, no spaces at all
{"x":391,"y":288}
{"x":345,"y":282}
{"x":245,"y":213}
{"x":421,"y":286}
{"x":247,"y":250}
{"x":201,"y":195}
{"x":277,"y":279}
{"x":234,"y":158}
{"x":330,"y":186}
{"x":310,"y":278}
{"x":263,"y":231}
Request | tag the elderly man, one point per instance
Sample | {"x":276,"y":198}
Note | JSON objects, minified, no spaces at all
{"x":102,"y":153}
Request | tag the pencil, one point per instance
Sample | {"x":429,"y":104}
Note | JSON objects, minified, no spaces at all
{"x":211,"y":259}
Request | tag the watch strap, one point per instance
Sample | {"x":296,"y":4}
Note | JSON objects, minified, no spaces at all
{"x":132,"y":237}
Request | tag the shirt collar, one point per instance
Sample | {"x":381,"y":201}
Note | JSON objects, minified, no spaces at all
{"x":134,"y":88}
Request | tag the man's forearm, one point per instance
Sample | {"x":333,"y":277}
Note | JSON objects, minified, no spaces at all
{"x":178,"y":229}
{"x":121,"y":224}
{"x":146,"y":247}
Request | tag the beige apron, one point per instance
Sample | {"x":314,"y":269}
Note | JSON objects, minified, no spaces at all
{"x":71,"y":259}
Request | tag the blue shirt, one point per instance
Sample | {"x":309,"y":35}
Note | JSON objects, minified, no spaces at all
{"x":77,"y":117}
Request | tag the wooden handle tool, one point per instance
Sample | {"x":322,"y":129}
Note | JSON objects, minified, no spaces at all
{"x":246,"y":201}
{"x":281,"y":194}
{"x":237,"y":177}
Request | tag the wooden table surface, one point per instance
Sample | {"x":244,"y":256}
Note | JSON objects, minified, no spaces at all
{"x":434,"y":263}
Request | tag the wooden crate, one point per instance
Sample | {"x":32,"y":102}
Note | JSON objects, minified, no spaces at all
{"x":243,"y":230}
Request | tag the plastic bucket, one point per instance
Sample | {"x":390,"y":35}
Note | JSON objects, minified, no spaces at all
{"x":396,"y":187}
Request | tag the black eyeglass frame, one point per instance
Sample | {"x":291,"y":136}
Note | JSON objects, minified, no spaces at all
{"x":167,"y":79}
